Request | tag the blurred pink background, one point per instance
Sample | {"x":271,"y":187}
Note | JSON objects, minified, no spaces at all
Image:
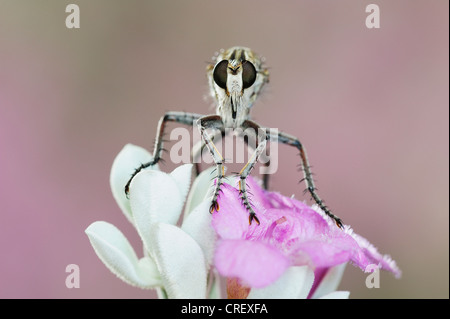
{"x":371,"y":106}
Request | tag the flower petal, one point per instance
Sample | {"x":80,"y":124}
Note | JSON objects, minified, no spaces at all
{"x":180,"y":261}
{"x":294,"y":283}
{"x":116,"y":253}
{"x":182,"y":176}
{"x":154,"y":198}
{"x":128,"y":159}
{"x":200,"y":189}
{"x":259,"y":196}
{"x":215,"y":290}
{"x":329,"y":281}
{"x":337,"y":295}
{"x":308,"y":281}
{"x":255,"y":263}
{"x":324,"y":252}
{"x":198,"y":226}
{"x":371,"y":255}
{"x":231,"y":220}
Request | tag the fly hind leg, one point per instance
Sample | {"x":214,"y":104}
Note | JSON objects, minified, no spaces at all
{"x":293,"y":141}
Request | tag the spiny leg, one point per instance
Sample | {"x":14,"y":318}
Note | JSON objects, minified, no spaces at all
{"x":262,"y":141}
{"x":197,"y":150}
{"x":214,"y":122}
{"x":293,"y":141}
{"x":179,"y":117}
{"x":250,"y":141}
{"x":265,"y":158}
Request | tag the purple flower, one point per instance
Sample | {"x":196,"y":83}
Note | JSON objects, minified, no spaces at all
{"x":292,"y":238}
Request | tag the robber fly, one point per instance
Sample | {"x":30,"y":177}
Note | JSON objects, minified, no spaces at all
{"x":236,"y":79}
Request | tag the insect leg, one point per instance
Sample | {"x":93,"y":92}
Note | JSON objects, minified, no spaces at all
{"x":214,"y":122}
{"x":197,"y":150}
{"x":179,"y":117}
{"x":264,"y":157}
{"x":262,"y":141}
{"x":293,"y":141}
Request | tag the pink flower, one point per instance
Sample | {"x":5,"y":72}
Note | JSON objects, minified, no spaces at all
{"x":290,"y":234}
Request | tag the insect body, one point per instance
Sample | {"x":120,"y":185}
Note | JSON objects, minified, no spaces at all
{"x":236,"y":79}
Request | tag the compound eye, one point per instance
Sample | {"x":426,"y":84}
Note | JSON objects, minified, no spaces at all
{"x":220,"y":74}
{"x":248,"y":74}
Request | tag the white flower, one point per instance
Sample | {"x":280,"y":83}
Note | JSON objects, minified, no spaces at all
{"x":176,"y":259}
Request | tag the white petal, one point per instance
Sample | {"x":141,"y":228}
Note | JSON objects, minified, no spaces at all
{"x":161,"y":293}
{"x":201,"y":187}
{"x":215,"y":290}
{"x":330,"y":281}
{"x":198,"y":226}
{"x":116,"y":253}
{"x":336,"y":295}
{"x":128,"y":159}
{"x":180,"y":261}
{"x":154,"y":198}
{"x":308,"y":281}
{"x":294,"y":283}
{"x":182,"y":175}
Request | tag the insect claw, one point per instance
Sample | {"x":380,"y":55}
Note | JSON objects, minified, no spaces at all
{"x":252,"y":217}
{"x":214,"y":207}
{"x":338,"y":222}
{"x":127,"y":190}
